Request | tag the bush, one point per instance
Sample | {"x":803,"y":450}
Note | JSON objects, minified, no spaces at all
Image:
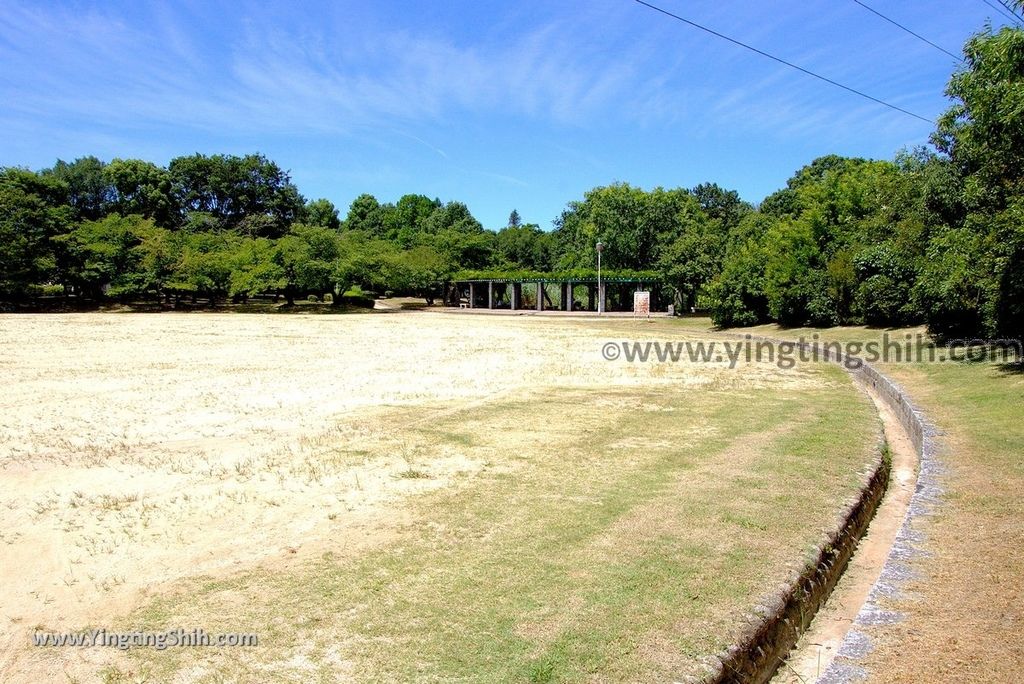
{"x":45,"y":290}
{"x":361,"y":301}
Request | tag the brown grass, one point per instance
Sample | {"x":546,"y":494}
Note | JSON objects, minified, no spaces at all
{"x":400,"y":496}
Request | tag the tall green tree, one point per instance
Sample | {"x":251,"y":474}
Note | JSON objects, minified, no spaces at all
{"x":103,"y":256}
{"x":141,"y":187}
{"x":89,"y":192}
{"x":32,"y":213}
{"x":323,"y":213}
{"x":307,"y":256}
{"x":233,"y":188}
{"x":634,"y":225}
{"x":983,"y":135}
{"x":366,"y":215}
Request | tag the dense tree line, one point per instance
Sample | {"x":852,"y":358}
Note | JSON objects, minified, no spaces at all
{"x":935,"y":235}
{"x":217,"y":227}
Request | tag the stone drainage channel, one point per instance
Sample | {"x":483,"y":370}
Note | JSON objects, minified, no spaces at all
{"x":834,"y":645}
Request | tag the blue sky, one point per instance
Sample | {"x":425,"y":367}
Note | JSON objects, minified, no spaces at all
{"x":500,"y":105}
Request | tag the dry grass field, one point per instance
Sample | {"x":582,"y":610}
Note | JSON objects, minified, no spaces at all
{"x":401,"y":496}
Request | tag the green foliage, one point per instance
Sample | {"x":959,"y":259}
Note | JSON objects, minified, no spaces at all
{"x":256,"y":269}
{"x":231,"y":188}
{"x":31,"y":214}
{"x":983,"y":132}
{"x":323,"y":213}
{"x":307,"y":256}
{"x":738,"y":292}
{"x":101,"y":257}
{"x":884,"y":281}
{"x":420,"y":271}
{"x":972,"y":281}
{"x":204,"y":265}
{"x":89,"y":192}
{"x":575,"y":274}
{"x":930,"y":236}
{"x":524,"y":246}
{"x":141,"y":187}
{"x":632,"y":224}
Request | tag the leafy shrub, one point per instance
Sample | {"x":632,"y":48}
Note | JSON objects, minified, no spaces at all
{"x":361,"y":301}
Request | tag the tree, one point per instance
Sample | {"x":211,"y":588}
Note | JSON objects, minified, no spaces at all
{"x":307,"y":256}
{"x":31,"y":214}
{"x":256,"y":269}
{"x":514,"y":221}
{"x":155,"y":258}
{"x":457,"y":236}
{"x":204,"y":266}
{"x":420,"y":271}
{"x":232,"y":188}
{"x":634,"y":226}
{"x":721,"y":205}
{"x":796,"y":283}
{"x":693,"y":258}
{"x":323,"y":213}
{"x":983,"y":135}
{"x":366,"y":215}
{"x":737,"y":293}
{"x":141,"y":187}
{"x":409,"y":218}
{"x":89,"y":192}
{"x":884,"y":278}
{"x":102,"y":256}
{"x":522,"y":247}
{"x":983,"y":131}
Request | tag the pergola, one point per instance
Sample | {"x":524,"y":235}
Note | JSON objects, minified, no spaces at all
{"x":551,"y":293}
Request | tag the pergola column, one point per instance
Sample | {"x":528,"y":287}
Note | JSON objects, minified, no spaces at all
{"x":568,"y":297}
{"x":490,"y":294}
{"x":472,"y":291}
{"x":516,"y":288}
{"x":540,"y":296}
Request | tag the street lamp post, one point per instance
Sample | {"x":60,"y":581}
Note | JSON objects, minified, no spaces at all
{"x":600,"y":290}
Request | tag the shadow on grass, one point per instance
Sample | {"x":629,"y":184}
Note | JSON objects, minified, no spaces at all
{"x":1012,"y":368}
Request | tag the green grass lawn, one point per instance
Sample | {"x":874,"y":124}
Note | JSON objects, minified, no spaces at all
{"x":614,"y":534}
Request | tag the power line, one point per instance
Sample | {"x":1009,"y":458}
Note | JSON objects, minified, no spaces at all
{"x":782,"y":61}
{"x":1012,"y":10}
{"x":918,"y":36}
{"x":1000,"y":10}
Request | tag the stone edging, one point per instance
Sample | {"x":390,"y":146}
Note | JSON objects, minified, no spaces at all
{"x":776,"y":627}
{"x":845,"y":667}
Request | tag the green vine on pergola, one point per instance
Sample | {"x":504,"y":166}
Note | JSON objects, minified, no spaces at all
{"x":575,"y":275}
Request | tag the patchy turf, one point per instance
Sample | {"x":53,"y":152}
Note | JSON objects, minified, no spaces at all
{"x":627,"y":555}
{"x":965,"y":614}
{"x":964,"y":609}
{"x":437,"y":497}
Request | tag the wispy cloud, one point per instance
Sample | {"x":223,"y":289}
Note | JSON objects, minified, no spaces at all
{"x":103,"y":68}
{"x":106,"y":70}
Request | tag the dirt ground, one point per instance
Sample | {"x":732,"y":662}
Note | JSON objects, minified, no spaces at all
{"x":962,"y":605}
{"x":136,"y":450}
{"x":820,"y":643}
{"x":965,"y":607}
